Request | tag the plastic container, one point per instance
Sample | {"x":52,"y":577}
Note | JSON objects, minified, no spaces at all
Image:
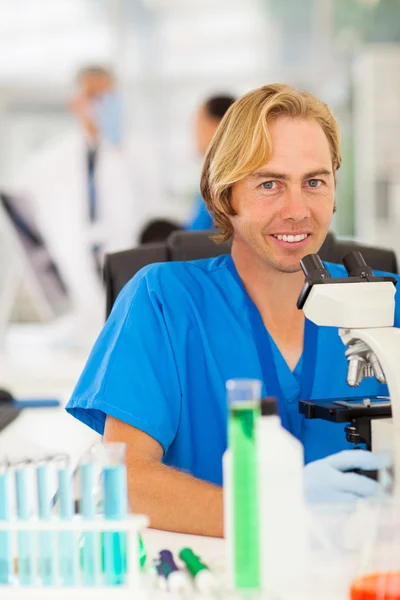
{"x":282,"y":510}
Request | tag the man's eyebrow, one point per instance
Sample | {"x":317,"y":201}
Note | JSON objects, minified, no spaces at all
{"x":283,"y":177}
{"x":317,"y":173}
{"x":268,"y":175}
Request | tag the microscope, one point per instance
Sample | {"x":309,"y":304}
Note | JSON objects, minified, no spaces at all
{"x":362,"y":307}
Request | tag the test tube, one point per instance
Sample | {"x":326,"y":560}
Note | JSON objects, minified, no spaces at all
{"x":244,"y":397}
{"x":24,"y":538}
{"x":66,"y":539}
{"x":90,"y":539}
{"x":142,"y":553}
{"x":6,"y":562}
{"x":115,"y":501}
{"x":46,"y":538}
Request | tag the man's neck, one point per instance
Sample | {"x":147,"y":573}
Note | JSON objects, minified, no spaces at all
{"x":274,"y":292}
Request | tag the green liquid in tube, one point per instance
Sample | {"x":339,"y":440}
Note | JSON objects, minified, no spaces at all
{"x":242,"y":441}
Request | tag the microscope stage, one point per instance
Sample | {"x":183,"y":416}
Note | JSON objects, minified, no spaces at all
{"x":343,"y":410}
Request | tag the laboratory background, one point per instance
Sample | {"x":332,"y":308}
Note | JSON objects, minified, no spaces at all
{"x":166,"y":59}
{"x":102,"y":129}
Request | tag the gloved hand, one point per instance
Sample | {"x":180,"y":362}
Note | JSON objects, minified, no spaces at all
{"x":326,"y":480}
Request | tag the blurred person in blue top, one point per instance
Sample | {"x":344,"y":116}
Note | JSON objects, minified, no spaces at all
{"x":207,"y":119}
{"x":156,"y":376}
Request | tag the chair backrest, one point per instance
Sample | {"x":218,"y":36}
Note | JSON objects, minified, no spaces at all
{"x":191,"y":245}
{"x":120,"y":267}
{"x":379,"y":259}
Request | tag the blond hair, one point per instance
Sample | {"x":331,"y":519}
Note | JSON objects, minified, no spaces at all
{"x":242,"y":143}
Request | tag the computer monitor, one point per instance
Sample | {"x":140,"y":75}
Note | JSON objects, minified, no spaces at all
{"x":31,"y":287}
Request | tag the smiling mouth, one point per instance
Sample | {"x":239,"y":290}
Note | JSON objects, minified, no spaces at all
{"x":291,"y":239}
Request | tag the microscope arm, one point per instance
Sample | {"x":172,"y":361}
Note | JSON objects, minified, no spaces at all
{"x":385,"y":344}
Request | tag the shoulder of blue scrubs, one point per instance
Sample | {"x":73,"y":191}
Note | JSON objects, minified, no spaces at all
{"x":339,"y":271}
{"x":131,"y":373}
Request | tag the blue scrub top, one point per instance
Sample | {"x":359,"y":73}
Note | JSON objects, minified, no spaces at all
{"x":176,"y":334}
{"x":200,"y":219}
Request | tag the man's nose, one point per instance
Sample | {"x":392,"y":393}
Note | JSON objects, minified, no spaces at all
{"x":295,"y":206}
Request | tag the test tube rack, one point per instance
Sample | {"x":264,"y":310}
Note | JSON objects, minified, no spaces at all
{"x":78,"y":527}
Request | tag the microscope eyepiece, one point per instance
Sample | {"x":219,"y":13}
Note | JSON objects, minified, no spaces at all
{"x":315,"y":272}
{"x":313,"y":268}
{"x":358,"y":272}
{"x":356,"y":266}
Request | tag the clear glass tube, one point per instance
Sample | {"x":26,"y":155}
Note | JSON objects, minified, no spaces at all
{"x":46,"y":545}
{"x":244,"y":396}
{"x":115,"y":504}
{"x":23,"y":490}
{"x":90,"y":547}
{"x":111,"y":494}
{"x":6,"y":558}
{"x":66,"y":539}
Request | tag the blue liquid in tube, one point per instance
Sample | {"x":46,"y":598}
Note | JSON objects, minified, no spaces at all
{"x":66,"y":539}
{"x":6,"y":562}
{"x":46,"y":538}
{"x":115,"y":507}
{"x":90,"y":545}
{"x":24,"y":538}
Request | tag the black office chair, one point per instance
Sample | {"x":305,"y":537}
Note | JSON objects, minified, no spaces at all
{"x":120,"y":267}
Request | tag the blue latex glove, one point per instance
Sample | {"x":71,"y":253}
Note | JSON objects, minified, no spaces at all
{"x":325,"y":480}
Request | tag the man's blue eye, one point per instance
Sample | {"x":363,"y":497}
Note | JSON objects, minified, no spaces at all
{"x":268,"y":185}
{"x":314,"y":182}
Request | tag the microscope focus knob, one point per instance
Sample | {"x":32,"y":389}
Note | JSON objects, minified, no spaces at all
{"x":352,"y":434}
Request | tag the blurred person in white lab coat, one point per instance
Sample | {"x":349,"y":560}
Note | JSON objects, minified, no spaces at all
{"x":92,"y":189}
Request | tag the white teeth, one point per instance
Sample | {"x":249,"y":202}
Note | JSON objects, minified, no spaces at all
{"x":291,"y":238}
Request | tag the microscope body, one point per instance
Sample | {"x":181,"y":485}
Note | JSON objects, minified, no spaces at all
{"x":384,"y":342}
{"x":362,"y":306}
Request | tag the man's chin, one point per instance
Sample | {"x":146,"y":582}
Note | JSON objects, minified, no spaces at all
{"x":293,"y":265}
{"x":287,"y":266}
{"x":290,"y":268}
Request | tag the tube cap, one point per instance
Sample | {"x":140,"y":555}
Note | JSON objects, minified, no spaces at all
{"x":192,"y":562}
{"x":269,"y":406}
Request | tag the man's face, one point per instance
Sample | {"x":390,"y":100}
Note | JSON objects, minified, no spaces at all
{"x":285,"y":207}
{"x":91,"y":87}
{"x":94,"y":85}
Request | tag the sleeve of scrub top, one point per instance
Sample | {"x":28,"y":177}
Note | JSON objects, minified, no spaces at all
{"x":131,"y":372}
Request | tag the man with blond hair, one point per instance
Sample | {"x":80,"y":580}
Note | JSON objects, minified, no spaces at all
{"x":156,"y":376}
